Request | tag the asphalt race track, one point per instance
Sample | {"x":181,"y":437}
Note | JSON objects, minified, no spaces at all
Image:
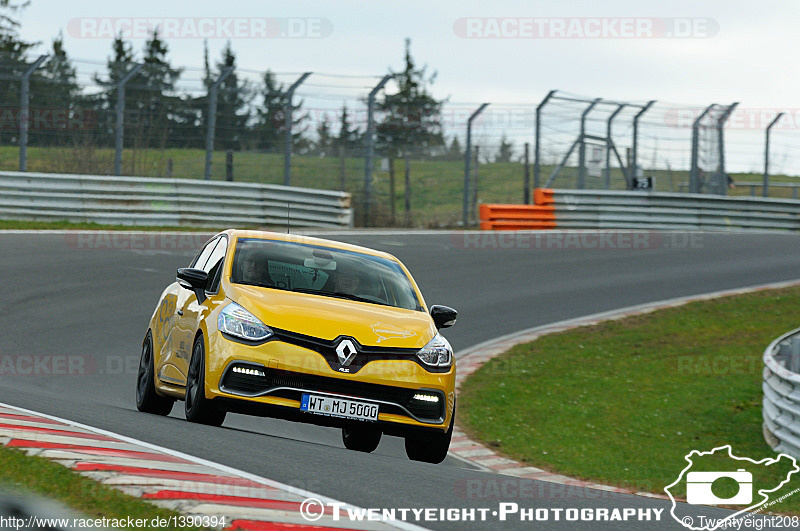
{"x":83,"y":302}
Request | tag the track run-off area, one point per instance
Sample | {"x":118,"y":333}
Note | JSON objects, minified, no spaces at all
{"x":76,"y":307}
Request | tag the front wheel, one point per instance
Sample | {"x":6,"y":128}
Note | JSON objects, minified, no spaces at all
{"x":147,"y":400}
{"x":199,"y":408}
{"x":361,"y":438}
{"x":430,"y":448}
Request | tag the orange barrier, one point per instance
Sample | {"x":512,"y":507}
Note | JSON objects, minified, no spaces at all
{"x":517,"y":217}
{"x":543,"y":196}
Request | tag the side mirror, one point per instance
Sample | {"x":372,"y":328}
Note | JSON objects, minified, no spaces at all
{"x":195,"y":280}
{"x":443,"y":316}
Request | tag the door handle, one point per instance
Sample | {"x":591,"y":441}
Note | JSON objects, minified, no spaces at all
{"x":180,"y":312}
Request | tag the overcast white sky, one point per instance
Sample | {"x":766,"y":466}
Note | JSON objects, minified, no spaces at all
{"x":752,"y":58}
{"x":739,"y":51}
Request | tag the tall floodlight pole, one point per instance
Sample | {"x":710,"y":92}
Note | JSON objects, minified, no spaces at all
{"x":537,"y":142}
{"x":765,"y":192}
{"x":722,"y":176}
{"x":694,"y":173}
{"x":23,"y":112}
{"x":212,"y":118}
{"x":287,"y":148}
{"x":635,"y":149}
{"x":118,"y":132}
{"x":467,"y":161}
{"x":370,"y":147}
{"x":582,"y":148}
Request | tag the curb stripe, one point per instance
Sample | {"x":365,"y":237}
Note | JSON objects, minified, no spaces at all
{"x":29,"y":418}
{"x":261,"y":483}
{"x":170,"y":474}
{"x":255,"y":525}
{"x":94,"y":450}
{"x":51,"y":431}
{"x":473,"y":357}
{"x":260,"y":503}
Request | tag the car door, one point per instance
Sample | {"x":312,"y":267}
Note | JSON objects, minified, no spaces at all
{"x":190,"y":312}
{"x":174,"y":355}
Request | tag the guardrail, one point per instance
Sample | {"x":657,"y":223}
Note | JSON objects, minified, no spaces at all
{"x":167,"y":202}
{"x":781,"y":404}
{"x":605,"y":209}
{"x":756,"y":188}
{"x":517,"y":217}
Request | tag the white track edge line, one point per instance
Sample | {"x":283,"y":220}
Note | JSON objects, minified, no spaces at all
{"x":524,"y":336}
{"x":521,"y":335}
{"x":211,"y":464}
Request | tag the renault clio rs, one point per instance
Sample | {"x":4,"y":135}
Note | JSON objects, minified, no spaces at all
{"x":303,"y":329}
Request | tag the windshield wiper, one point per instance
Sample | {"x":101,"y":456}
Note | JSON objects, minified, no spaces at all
{"x":337,"y":294}
{"x":344,"y":295}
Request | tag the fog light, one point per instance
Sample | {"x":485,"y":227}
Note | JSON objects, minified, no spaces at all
{"x":248,"y":372}
{"x":426,"y":398}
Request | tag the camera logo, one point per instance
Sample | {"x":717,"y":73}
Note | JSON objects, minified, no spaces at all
{"x":698,"y":488}
{"x":718,"y":477}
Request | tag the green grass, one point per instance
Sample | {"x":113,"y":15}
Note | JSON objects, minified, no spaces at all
{"x":88,"y":497}
{"x":436,"y":185}
{"x":624,"y":401}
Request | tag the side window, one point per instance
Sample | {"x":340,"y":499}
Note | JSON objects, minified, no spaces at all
{"x":202,"y":257}
{"x":215,"y":263}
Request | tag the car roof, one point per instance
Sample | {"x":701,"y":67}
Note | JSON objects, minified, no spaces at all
{"x":308,"y":240}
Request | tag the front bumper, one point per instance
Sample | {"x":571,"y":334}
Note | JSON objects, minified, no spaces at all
{"x":278,"y":374}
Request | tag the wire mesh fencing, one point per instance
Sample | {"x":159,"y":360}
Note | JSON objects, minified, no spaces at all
{"x":223,"y":122}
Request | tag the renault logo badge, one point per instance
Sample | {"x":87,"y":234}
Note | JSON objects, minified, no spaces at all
{"x":346,"y":351}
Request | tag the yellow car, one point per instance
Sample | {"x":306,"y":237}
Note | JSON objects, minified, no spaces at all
{"x":303,"y":329}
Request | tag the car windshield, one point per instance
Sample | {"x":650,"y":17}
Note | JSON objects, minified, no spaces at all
{"x":322,"y":271}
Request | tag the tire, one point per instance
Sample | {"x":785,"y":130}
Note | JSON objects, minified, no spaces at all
{"x":361,"y":438}
{"x":147,"y":400}
{"x":430,"y":448}
{"x":198,"y":408}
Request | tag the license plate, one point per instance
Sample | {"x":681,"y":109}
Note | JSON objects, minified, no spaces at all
{"x":339,"y":407}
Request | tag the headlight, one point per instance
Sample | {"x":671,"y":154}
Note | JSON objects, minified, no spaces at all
{"x":437,"y":353}
{"x":238,"y":322}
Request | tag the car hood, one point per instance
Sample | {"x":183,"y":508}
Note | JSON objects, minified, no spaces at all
{"x":329,"y":317}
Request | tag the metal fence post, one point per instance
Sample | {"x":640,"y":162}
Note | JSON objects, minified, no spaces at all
{"x":119,"y":132}
{"x":475,"y":185}
{"x":212,"y":118}
{"x":609,"y":144}
{"x":537,"y":145}
{"x":526,"y":180}
{"x":370,"y":147}
{"x":23,"y":112}
{"x":582,"y":147}
{"x":722,"y":176}
{"x":694,"y":177}
{"x":287,"y":148}
{"x":467,"y":161}
{"x":766,"y":155}
{"x":635,"y":150}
